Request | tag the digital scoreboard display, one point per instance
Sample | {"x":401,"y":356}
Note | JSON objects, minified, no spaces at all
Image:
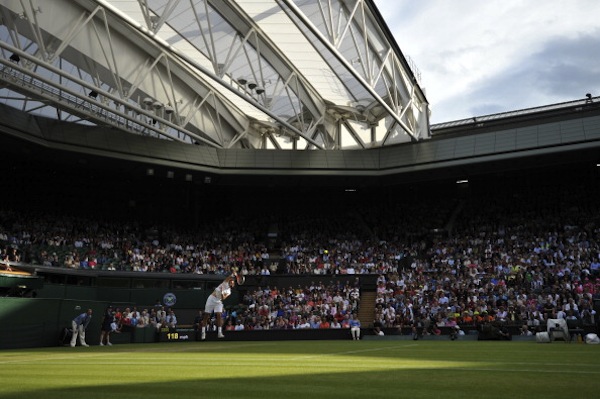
{"x":176,"y":335}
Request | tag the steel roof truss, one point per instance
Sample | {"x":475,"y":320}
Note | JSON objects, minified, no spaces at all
{"x":354,"y":135}
{"x":153,"y":21}
{"x":342,"y":59}
{"x":267,"y":52}
{"x":58,"y":88}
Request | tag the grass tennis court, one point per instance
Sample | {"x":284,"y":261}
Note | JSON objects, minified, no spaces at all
{"x":301,"y":369}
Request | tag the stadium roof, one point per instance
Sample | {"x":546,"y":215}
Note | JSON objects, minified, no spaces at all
{"x":230,"y":89}
{"x":285,"y":74}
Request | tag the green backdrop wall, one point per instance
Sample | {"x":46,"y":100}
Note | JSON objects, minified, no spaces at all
{"x":40,"y":321}
{"x":34,"y":322}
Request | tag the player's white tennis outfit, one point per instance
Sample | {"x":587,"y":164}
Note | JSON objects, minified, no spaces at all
{"x":214,"y":303}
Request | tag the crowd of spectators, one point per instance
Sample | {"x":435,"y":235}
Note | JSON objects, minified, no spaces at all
{"x":156,"y":317}
{"x":511,"y":259}
{"x":84,"y":243}
{"x":518,"y":256}
{"x":317,"y":306}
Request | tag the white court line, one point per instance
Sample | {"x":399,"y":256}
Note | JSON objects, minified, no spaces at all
{"x":516,"y":371}
{"x":50,"y":358}
{"x":53,"y":359}
{"x":355,"y":351}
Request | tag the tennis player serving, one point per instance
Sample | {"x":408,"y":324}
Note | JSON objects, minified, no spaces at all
{"x":214,"y":303}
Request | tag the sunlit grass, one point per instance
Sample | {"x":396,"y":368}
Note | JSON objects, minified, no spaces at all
{"x":348,"y":369}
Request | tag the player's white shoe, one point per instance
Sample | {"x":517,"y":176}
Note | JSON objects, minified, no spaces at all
{"x":220,"y":336}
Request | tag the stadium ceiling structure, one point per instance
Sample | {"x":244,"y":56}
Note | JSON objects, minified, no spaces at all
{"x":223,"y":74}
